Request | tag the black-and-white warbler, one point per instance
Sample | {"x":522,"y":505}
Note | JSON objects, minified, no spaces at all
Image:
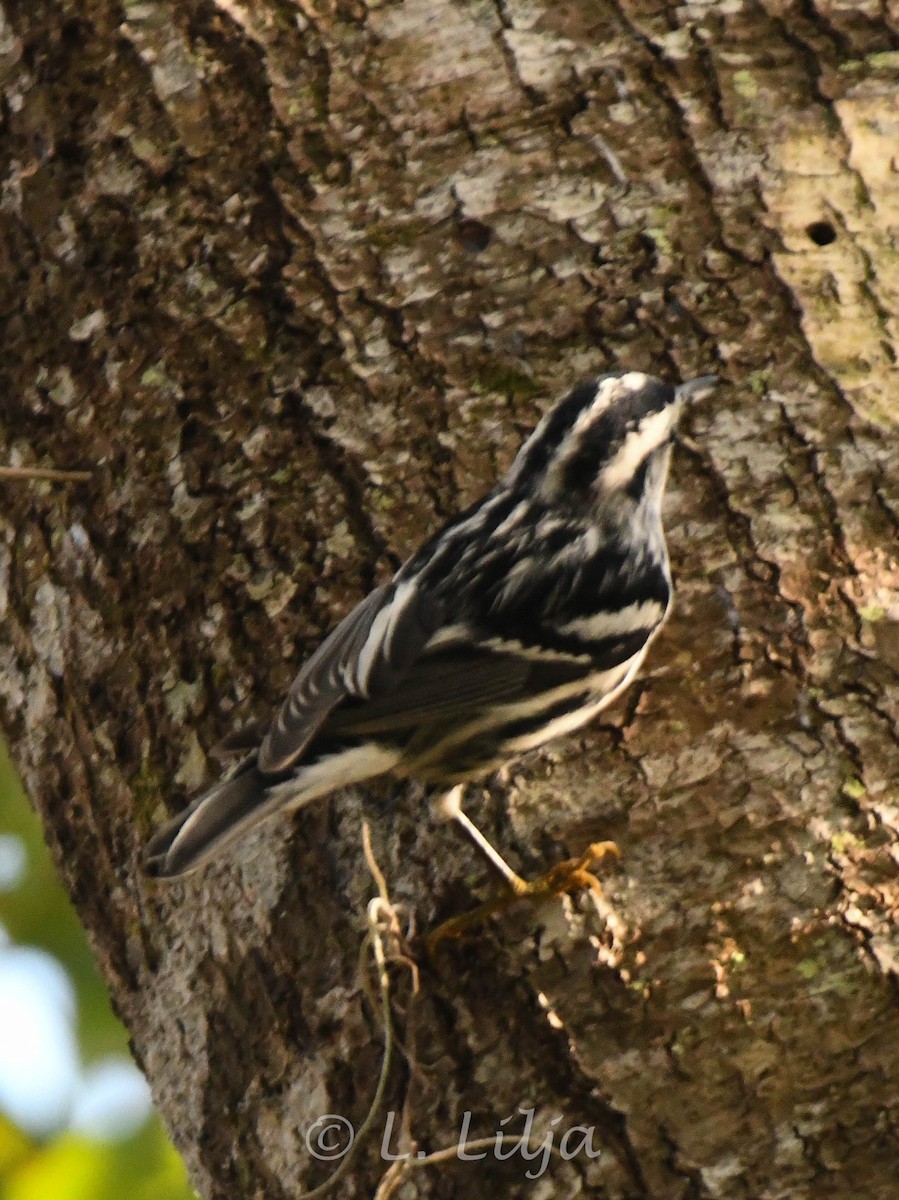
{"x":516,"y":623}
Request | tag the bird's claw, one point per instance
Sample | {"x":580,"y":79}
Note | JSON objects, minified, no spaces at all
{"x":571,"y":875}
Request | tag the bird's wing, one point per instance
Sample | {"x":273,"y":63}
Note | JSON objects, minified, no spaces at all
{"x":437,"y":687}
{"x":453,"y":683}
{"x":364,"y":656}
{"x":503,"y":658}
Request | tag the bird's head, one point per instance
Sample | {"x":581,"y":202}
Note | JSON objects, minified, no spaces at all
{"x":609,"y":439}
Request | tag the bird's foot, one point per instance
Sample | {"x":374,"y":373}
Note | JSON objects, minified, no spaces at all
{"x":572,"y":875}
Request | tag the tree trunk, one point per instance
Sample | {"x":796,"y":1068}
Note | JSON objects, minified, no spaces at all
{"x":292,"y":282}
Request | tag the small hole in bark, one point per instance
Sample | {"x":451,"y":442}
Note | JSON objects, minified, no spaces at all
{"x":822,"y":233}
{"x":474,"y":235}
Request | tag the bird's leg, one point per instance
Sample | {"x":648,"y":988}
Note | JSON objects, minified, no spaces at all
{"x":568,"y":876}
{"x":448,"y":807}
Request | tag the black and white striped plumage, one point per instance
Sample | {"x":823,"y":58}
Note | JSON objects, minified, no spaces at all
{"x":517,"y":622}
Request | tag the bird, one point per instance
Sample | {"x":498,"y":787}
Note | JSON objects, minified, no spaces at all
{"x":516,"y":623}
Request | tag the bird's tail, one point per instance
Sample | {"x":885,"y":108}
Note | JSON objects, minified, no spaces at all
{"x":227,"y":810}
{"x":234,"y":805}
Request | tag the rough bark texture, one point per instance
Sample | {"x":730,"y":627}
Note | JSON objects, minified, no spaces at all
{"x":292,"y":279}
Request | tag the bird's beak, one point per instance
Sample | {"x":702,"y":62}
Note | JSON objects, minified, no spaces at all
{"x":697,"y":389}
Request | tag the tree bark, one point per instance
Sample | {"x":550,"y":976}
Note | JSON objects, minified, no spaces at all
{"x":292,"y":281}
